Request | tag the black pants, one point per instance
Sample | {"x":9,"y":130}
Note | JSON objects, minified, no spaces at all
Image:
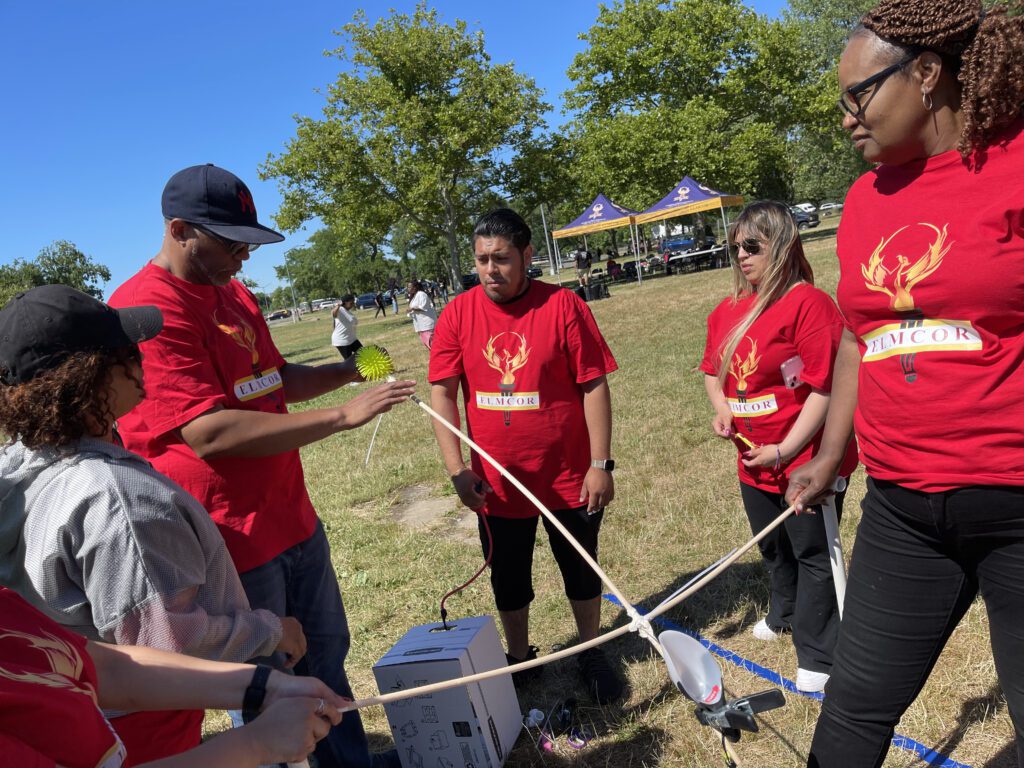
{"x":803,"y":593}
{"x":918,"y":562}
{"x":512,"y":562}
{"x":347,"y":350}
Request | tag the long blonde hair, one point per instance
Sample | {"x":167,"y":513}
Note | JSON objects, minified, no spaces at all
{"x":769,"y":222}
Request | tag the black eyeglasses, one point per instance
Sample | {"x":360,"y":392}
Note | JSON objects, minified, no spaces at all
{"x":233,"y":246}
{"x":749,"y":244}
{"x":849,"y":100}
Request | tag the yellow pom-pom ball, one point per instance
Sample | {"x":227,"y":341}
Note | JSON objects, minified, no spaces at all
{"x":374,"y":363}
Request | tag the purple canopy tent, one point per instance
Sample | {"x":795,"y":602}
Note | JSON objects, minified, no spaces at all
{"x":689,"y":196}
{"x":600,"y":215}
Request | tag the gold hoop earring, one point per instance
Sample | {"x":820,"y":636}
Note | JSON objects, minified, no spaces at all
{"x":926,"y":99}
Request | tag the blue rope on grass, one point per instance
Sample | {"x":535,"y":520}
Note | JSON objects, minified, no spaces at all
{"x":928,"y":755}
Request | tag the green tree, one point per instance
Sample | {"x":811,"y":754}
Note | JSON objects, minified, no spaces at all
{"x":60,"y":262}
{"x":420,"y":125}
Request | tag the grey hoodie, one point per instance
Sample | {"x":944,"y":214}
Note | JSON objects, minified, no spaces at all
{"x":102,"y":543}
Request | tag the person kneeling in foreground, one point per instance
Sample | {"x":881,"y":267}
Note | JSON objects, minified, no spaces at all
{"x":90,"y":533}
{"x":51,"y":678}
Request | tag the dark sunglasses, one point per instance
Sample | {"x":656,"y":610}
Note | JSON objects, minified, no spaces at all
{"x":849,"y":100}
{"x":749,"y":244}
{"x":233,"y":246}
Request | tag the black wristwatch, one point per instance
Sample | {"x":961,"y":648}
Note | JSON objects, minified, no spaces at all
{"x":252,"y":702}
{"x":608,"y":465}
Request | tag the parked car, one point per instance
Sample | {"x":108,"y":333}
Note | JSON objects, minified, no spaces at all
{"x":365,"y":300}
{"x":534,"y":272}
{"x":278,"y":314}
{"x":468,"y":281}
{"x":804,"y":220}
{"x":828,"y":209}
{"x":805,"y":207}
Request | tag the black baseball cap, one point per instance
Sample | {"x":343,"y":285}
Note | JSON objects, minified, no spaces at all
{"x":218,"y":201}
{"x":43,"y":327}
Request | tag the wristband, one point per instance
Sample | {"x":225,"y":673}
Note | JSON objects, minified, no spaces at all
{"x":255,"y":693}
{"x":778,"y":457}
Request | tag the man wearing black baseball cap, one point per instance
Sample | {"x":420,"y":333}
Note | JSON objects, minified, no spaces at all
{"x":216,"y":420}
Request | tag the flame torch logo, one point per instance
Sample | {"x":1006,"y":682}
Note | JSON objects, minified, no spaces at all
{"x":598,"y":211}
{"x":741,"y":370}
{"x":682,"y":195}
{"x":243,"y":335}
{"x":898,"y":281}
{"x":506,"y":363}
{"x":62,"y":658}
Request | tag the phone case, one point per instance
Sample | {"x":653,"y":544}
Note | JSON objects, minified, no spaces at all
{"x":791,"y":370}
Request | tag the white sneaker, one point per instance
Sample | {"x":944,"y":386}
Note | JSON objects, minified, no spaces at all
{"x":762,"y":631}
{"x":811,"y":682}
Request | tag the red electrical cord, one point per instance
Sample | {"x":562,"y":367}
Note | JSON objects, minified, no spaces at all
{"x":487,"y":561}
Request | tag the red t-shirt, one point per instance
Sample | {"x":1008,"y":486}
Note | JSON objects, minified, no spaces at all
{"x":804,"y":323}
{"x":521,"y":365}
{"x":932,"y":285}
{"x":48,"y":706}
{"x":215,"y":350}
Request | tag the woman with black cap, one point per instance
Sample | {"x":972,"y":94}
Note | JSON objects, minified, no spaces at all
{"x":91,"y":534}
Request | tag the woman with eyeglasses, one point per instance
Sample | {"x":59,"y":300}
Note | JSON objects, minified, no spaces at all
{"x":930,"y":370}
{"x":90,"y":533}
{"x":768,"y":370}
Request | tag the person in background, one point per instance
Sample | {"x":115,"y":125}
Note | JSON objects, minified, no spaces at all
{"x":378,"y":302}
{"x":53,"y":681}
{"x":775,"y":325}
{"x":533,"y":369}
{"x":343,"y":337}
{"x":422,"y":312}
{"x":90,"y":533}
{"x":583,"y":262}
{"x":929,"y":370}
{"x":217,"y":421}
{"x":394,"y":299}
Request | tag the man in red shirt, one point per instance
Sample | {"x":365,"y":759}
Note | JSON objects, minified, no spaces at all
{"x":533,"y":369}
{"x":216,"y":420}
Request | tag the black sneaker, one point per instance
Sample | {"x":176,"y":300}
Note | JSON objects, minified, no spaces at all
{"x":524,"y":676}
{"x":601,"y":679}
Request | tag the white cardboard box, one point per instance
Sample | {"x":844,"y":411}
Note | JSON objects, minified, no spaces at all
{"x":471,"y":726}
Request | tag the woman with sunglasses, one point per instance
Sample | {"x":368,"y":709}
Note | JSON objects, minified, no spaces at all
{"x":930,"y":370}
{"x":767,"y":370}
{"x":90,"y":533}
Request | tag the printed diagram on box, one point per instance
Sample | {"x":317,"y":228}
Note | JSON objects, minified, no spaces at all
{"x":467,"y":754}
{"x":420,"y":683}
{"x":444,"y":762}
{"x":438,"y":741}
{"x":429,"y":714}
{"x":408,"y":730}
{"x":415,"y":759}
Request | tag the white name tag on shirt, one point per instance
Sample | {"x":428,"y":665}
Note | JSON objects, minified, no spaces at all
{"x":754,"y":406}
{"x":923,"y":335}
{"x":516,"y":401}
{"x":256,"y":386}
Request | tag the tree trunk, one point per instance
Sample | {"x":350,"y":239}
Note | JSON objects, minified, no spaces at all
{"x":454,"y":266}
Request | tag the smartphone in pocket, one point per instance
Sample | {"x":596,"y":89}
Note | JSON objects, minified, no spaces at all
{"x":791,"y":370}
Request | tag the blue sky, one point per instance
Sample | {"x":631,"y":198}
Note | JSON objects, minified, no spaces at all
{"x":105,"y":100}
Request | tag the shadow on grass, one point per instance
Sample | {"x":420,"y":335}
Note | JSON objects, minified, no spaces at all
{"x":972,"y":712}
{"x":742,"y":584}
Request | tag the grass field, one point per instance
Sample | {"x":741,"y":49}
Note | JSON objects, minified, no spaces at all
{"x":677,"y":509}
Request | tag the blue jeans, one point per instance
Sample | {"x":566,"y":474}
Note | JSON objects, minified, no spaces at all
{"x":300,"y":582}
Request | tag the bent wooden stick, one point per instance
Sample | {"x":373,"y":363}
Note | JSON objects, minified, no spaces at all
{"x":668,"y":605}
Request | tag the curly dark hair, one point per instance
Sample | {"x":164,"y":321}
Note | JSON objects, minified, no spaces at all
{"x":65,"y":403}
{"x":984,"y":48}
